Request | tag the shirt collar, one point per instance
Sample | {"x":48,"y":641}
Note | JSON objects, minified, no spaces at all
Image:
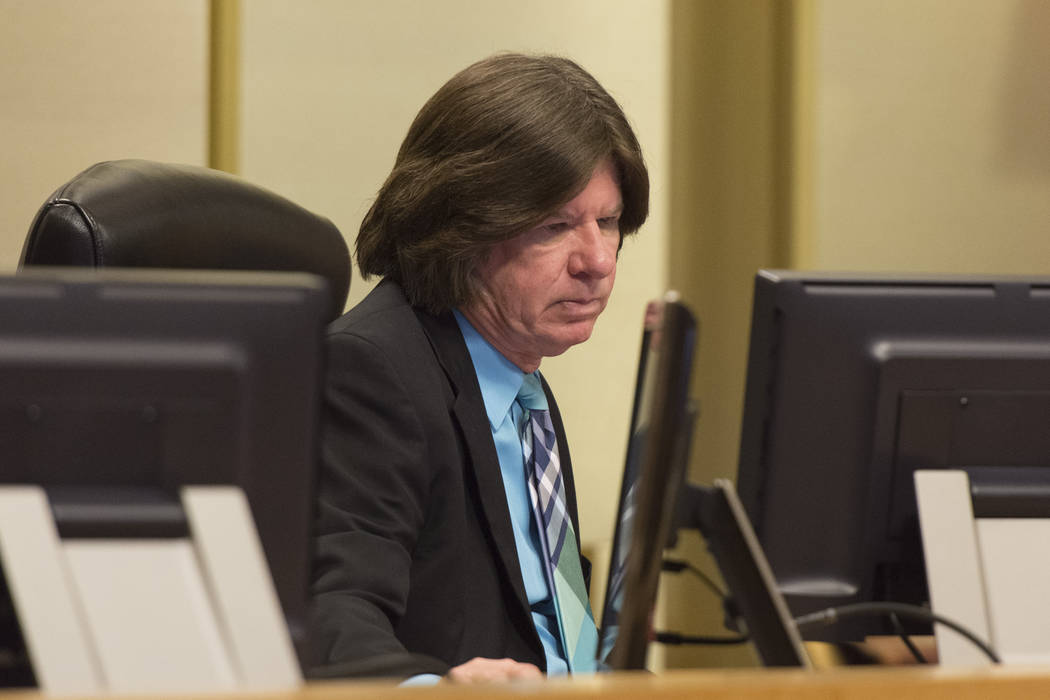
{"x":500,"y":379}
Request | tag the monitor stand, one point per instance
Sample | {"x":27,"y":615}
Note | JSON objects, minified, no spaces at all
{"x":130,"y":615}
{"x":989,"y":574}
{"x":755,"y":601}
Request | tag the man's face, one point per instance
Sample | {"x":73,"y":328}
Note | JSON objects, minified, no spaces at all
{"x":541,"y":292}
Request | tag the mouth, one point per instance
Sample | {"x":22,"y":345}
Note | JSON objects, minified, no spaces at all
{"x":583,"y":307}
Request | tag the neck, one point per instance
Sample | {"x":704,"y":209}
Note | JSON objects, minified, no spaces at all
{"x":486,"y":327}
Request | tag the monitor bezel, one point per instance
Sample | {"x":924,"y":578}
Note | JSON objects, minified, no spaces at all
{"x":661,"y":474}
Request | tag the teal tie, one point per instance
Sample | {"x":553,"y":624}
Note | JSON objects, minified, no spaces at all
{"x":547,"y":492}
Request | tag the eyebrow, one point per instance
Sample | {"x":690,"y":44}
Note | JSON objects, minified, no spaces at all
{"x":564,"y":214}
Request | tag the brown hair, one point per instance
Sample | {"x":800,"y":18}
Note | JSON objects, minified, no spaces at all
{"x":497,"y":149}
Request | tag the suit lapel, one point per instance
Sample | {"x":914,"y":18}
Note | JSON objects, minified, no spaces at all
{"x":469,"y":411}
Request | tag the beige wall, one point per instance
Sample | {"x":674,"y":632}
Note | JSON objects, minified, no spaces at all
{"x":329,"y":89}
{"x":82,"y":82}
{"x":932,"y":136}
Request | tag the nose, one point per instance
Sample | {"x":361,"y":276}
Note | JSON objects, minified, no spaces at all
{"x":594,"y":251}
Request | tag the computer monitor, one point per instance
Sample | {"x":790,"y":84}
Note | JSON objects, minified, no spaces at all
{"x":654,"y":471}
{"x":119,"y":386}
{"x":855,"y":381}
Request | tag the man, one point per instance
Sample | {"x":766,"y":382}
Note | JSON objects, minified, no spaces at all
{"x":496,"y":237}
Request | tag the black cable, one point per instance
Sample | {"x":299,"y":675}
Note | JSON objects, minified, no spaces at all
{"x":675,"y":638}
{"x":906,"y":638}
{"x":832,"y":615}
{"x":678,"y":565}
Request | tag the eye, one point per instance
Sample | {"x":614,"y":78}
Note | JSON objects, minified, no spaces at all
{"x":609,"y":223}
{"x":557,"y":227}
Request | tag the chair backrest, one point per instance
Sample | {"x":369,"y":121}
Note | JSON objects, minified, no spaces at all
{"x":138,"y":213}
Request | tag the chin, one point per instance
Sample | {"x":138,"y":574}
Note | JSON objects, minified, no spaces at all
{"x":559,"y":345}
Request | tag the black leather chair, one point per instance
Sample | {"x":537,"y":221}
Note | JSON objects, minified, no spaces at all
{"x":138,"y":213}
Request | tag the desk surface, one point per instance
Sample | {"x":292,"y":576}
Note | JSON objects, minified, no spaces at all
{"x":857,"y":683}
{"x":743,"y":684}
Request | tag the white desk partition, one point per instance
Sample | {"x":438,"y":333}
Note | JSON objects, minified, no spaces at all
{"x":39,"y":581}
{"x":178,"y":615}
{"x":989,"y":574}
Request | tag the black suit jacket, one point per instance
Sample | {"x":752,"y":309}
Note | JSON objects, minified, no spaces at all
{"x":416,"y":568}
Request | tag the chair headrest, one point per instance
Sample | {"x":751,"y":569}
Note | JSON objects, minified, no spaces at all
{"x":138,"y":213}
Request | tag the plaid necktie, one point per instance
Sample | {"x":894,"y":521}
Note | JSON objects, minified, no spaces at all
{"x":547,"y":491}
